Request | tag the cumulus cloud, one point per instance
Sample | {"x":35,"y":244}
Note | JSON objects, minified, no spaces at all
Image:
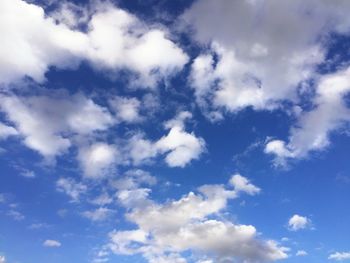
{"x":261,"y":51}
{"x":98,"y":160}
{"x":179,"y":146}
{"x":33,"y":41}
{"x":315,"y":126}
{"x":71,"y":188}
{"x":339,"y":256}
{"x":188,"y":224}
{"x":298,"y":222}
{"x":242,"y":184}
{"x":127,"y":109}
{"x":2,"y":259}
{"x":51,"y":243}
{"x":47,"y":122}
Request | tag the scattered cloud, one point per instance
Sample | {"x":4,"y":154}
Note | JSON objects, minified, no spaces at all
{"x":297,"y":222}
{"x":339,"y":256}
{"x":51,"y":243}
{"x":301,"y":253}
{"x":71,"y":188}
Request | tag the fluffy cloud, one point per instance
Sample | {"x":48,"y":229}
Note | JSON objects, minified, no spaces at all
{"x":179,"y":146}
{"x":242,"y":184}
{"x":32,"y":41}
{"x":51,"y":243}
{"x":339,"y":256}
{"x":47,"y":122}
{"x":261,"y":51}
{"x":166,"y":230}
{"x":71,"y":188}
{"x":127,"y":109}
{"x":98,"y":160}
{"x":297,"y":222}
{"x":2,"y":259}
{"x":314,"y":127}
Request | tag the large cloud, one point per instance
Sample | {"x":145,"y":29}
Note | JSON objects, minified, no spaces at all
{"x":189,"y":224}
{"x":32,"y":42}
{"x":261,"y":51}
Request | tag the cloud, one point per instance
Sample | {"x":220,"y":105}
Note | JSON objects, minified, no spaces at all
{"x":99,"y":214}
{"x":339,"y":256}
{"x":301,"y":253}
{"x":242,"y":184}
{"x":47,"y":122}
{"x":260,"y":51}
{"x":179,"y":146}
{"x":7,"y":131}
{"x":297,"y":222}
{"x":98,"y":160}
{"x":71,"y":188}
{"x":33,"y":41}
{"x":315,"y":126}
{"x":126,"y":109}
{"x":189,"y":224}
{"x":16,"y":215}
{"x":51,"y":243}
{"x":2,"y":259}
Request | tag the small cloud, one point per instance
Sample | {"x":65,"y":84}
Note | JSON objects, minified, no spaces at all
{"x":301,"y":253}
{"x":100,"y":214}
{"x":297,"y":222}
{"x":2,"y":259}
{"x":38,"y":226}
{"x":51,"y":243}
{"x":28,"y":174}
{"x":339,"y":256}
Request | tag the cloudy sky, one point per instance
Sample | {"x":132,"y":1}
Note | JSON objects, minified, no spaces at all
{"x":187,"y":131}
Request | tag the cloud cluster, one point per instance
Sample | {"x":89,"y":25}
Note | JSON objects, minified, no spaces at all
{"x":115,"y":39}
{"x":189,"y":224}
{"x":51,"y":243}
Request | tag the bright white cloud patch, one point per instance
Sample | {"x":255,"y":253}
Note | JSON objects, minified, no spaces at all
{"x":2,"y":259}
{"x":339,"y":256}
{"x":301,"y":253}
{"x":51,"y":243}
{"x":242,"y":184}
{"x":6,"y":131}
{"x":127,"y":109}
{"x":167,"y":230}
{"x":98,"y":160}
{"x":298,"y":222}
{"x":314,"y":127}
{"x":48,"y":122}
{"x":115,"y":40}
{"x":179,"y":146}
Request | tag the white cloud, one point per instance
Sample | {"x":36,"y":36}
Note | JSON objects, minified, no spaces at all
{"x":51,"y":243}
{"x":28,"y":174}
{"x":314,"y":127}
{"x":99,"y":214}
{"x":102,"y":199}
{"x":127,"y":109}
{"x":166,"y":230}
{"x":2,"y":259}
{"x":47,"y":122}
{"x":6,"y":131}
{"x":301,"y":253}
{"x":242,"y":184}
{"x":98,"y":160}
{"x":339,"y":256}
{"x":71,"y":188}
{"x":297,"y":222}
{"x":260,"y":51}
{"x":32,"y":41}
{"x":179,"y":146}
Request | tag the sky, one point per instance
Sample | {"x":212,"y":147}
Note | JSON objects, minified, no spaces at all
{"x":155,"y":131}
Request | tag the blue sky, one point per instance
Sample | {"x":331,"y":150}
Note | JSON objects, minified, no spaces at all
{"x":174,"y":131}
